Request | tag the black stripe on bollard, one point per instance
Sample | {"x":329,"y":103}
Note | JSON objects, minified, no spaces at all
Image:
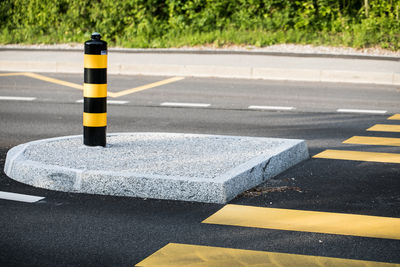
{"x":95,"y":48}
{"x":94,"y":136}
{"x":95,"y":105}
{"x":95,"y":92}
{"x":97,"y":76}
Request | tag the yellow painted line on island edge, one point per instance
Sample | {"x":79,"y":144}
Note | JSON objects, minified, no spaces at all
{"x":307,"y":221}
{"x":376,"y":141}
{"x":178,"y":255}
{"x":359,"y":156}
{"x":385,"y":128}
{"x":394,"y":117}
{"x":80,"y":87}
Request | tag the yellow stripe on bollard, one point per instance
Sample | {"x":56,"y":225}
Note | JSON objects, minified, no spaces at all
{"x":94,"y":90}
{"x":95,"y":61}
{"x":94,"y":119}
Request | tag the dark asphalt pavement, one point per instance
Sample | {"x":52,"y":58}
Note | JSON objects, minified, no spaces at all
{"x":68,"y":229}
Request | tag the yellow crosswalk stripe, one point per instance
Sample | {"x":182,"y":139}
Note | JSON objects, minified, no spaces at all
{"x":178,"y":255}
{"x":369,"y":140}
{"x":385,"y":128}
{"x":394,"y":117}
{"x":307,"y":221}
{"x":359,"y":156}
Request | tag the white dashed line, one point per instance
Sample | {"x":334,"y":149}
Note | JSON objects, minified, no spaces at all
{"x":112,"y":102}
{"x":117,"y":102}
{"x":343,"y":110}
{"x":271,"y":108}
{"x":19,"y":197}
{"x":194,"y":105}
{"x":17,"y":98}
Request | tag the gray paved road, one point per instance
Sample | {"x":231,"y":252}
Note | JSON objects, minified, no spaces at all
{"x":83,"y":230}
{"x":220,"y":93}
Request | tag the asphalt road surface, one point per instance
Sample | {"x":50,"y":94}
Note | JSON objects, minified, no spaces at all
{"x":66,"y":229}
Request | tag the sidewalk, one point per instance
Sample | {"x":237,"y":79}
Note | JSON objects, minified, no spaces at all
{"x":370,"y":70}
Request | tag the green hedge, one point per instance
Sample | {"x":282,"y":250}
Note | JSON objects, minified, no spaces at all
{"x":156,"y":23}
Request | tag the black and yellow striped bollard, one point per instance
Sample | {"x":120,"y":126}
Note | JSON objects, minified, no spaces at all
{"x":95,"y":92}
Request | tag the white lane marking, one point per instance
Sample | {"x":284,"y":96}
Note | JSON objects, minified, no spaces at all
{"x":112,"y":102}
{"x":19,"y":197}
{"x":343,"y":110}
{"x":17,"y":98}
{"x":271,"y":108}
{"x":174,"y":104}
{"x":117,"y":102}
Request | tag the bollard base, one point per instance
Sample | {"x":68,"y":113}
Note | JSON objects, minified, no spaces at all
{"x":94,"y":136}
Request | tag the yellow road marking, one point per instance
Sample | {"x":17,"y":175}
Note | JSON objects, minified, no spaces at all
{"x":178,"y":255}
{"x":80,"y":87}
{"x":13,"y":74}
{"x":359,"y":156}
{"x":385,"y":128}
{"x":148,"y":86}
{"x":53,"y":80}
{"x":94,"y":119}
{"x":369,"y":140}
{"x":394,"y":117}
{"x":307,"y":221}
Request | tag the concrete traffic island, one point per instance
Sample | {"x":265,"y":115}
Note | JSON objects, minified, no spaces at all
{"x":190,"y":167}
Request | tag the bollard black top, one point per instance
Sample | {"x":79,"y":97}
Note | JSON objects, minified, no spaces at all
{"x":96,"y":36}
{"x":96,"y":46}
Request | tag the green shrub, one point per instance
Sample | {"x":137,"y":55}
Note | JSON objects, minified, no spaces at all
{"x":156,"y":23}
